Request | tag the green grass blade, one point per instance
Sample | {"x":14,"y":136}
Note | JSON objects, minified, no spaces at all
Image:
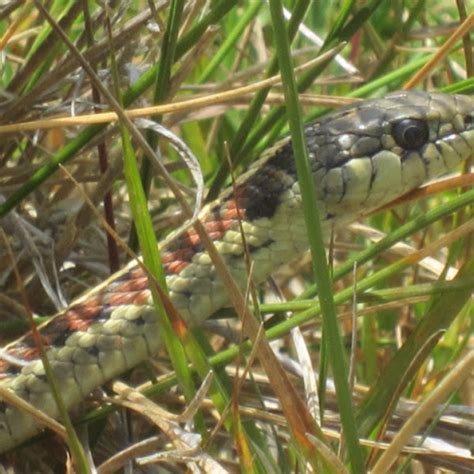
{"x":161,"y":93}
{"x":313,"y":227}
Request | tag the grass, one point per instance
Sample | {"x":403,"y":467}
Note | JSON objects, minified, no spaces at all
{"x":406,"y":341}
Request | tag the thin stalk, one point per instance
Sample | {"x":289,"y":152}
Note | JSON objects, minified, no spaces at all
{"x":316,"y":243}
{"x":161,"y":93}
{"x":114,"y":260}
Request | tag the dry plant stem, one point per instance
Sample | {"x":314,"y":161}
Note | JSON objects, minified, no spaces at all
{"x":353,"y":357}
{"x":293,"y":406}
{"x":13,"y":306}
{"x":450,"y":383}
{"x":423,"y":192}
{"x":468,"y":45}
{"x":213,"y":99}
{"x":167,"y":422}
{"x":12,"y":28}
{"x":118,"y":460}
{"x":336,"y":463}
{"x":330,"y":433}
{"x":463,"y":29}
{"x":453,"y":236}
{"x":114,"y":261}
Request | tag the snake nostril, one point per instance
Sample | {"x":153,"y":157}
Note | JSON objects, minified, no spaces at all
{"x":469,"y":121}
{"x":410,"y":133}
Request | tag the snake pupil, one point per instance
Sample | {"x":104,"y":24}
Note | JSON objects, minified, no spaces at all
{"x":411,"y":133}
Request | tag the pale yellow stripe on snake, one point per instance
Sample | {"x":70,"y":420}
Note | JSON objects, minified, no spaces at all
{"x":362,"y":157}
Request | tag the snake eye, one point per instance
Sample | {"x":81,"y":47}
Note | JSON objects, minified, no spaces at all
{"x":411,"y":133}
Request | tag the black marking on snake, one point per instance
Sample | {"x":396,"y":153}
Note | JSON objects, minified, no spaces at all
{"x":373,"y":174}
{"x":441,"y":154}
{"x":12,"y":370}
{"x":251,"y":248}
{"x":465,"y":141}
{"x":93,"y":351}
{"x":254,"y":248}
{"x":186,"y":293}
{"x":198,"y":248}
{"x":3,"y":409}
{"x":260,"y":194}
{"x":60,"y":334}
{"x":42,"y":378}
{"x":139,"y":321}
{"x":105,"y":312}
{"x":344,"y":180}
{"x":125,"y":277}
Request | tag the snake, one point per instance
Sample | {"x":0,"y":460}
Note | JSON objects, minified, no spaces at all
{"x":362,"y":157}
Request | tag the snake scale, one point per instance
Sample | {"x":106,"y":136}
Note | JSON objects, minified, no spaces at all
{"x":362,"y":157}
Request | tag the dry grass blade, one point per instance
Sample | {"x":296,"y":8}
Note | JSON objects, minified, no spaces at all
{"x":463,"y":30}
{"x":186,"y":444}
{"x":451,"y":382}
{"x":184,"y":106}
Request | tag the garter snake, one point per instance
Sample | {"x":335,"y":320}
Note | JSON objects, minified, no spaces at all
{"x":362,"y":157}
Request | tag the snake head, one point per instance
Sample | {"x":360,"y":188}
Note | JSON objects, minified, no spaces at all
{"x":366,"y":155}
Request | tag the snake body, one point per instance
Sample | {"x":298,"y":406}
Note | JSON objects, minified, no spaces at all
{"x":362,"y":157}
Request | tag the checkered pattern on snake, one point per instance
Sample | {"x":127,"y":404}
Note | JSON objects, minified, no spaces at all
{"x":362,"y":157}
